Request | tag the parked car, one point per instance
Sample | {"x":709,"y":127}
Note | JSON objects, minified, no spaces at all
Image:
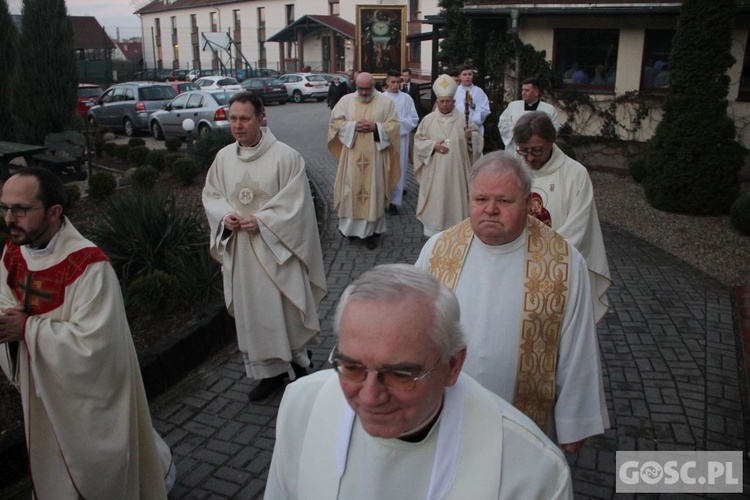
{"x":151,"y":75}
{"x":179,"y":75}
{"x":194,"y":74}
{"x":269,"y":89}
{"x":301,"y":86}
{"x":257,"y":72}
{"x":87,"y":94}
{"x":218,"y":82}
{"x":329,"y":77}
{"x":209,"y":109}
{"x":181,"y":87}
{"x":128,"y":106}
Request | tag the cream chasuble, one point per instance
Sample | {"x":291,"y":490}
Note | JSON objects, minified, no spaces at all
{"x":367,"y":169}
{"x":480,"y":448}
{"x":87,"y":421}
{"x":274,"y":279}
{"x":443,"y":178}
{"x":566,"y":193}
{"x":530,"y":338}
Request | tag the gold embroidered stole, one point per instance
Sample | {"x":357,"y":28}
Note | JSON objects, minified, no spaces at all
{"x":546,"y":285}
{"x":361,"y":162}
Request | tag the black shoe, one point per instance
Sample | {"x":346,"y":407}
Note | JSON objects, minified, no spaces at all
{"x":371,"y":243}
{"x":299,"y":371}
{"x":350,"y":238}
{"x":266,"y":387}
{"x":393,"y":209}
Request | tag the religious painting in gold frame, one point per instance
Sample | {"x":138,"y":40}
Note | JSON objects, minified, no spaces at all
{"x":381,"y":38}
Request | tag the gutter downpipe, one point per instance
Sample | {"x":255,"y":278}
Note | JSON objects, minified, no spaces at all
{"x":514,"y":15}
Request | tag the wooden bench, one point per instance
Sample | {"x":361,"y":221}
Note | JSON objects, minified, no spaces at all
{"x":65,"y":155}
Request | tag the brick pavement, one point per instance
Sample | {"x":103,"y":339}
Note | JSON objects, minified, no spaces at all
{"x":669,"y":348}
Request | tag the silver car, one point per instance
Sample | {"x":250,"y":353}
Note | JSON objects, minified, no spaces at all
{"x":301,"y":86}
{"x":128,"y":106}
{"x":209,"y":109}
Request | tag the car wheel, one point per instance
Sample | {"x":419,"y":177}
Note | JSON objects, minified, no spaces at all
{"x":156,"y":131}
{"x":203,"y":131}
{"x":129,"y":127}
{"x":320,"y":99}
{"x":297,"y":96}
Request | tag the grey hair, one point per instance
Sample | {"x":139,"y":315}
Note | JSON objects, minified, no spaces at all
{"x":394,"y":283}
{"x":534,"y":123}
{"x":500,"y":161}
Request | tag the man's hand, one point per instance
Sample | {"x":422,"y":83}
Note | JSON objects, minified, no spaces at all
{"x":441,"y":147}
{"x":573,"y":447}
{"x":232,"y":222}
{"x":249,"y":224}
{"x":467,"y":132}
{"x":365,"y":126}
{"x":12,"y":322}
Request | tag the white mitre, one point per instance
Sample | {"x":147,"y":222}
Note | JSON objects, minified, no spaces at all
{"x":444,"y":86}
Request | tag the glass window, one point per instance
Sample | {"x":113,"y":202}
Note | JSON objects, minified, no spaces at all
{"x":587,"y":58}
{"x":195,"y":101}
{"x":656,"y":48}
{"x":744,"y":94}
{"x":179,"y":101}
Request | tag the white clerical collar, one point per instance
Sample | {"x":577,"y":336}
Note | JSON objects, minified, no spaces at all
{"x":447,"y":453}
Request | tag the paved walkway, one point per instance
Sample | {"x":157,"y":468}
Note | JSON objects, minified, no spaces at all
{"x":669,"y":349}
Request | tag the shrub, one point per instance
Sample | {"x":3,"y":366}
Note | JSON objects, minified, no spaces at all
{"x":109,"y":148}
{"x":136,"y":141}
{"x":137,"y":155}
{"x":145,"y":177}
{"x":102,"y":185}
{"x":122,"y":151}
{"x":173,"y":144}
{"x":638,"y":168}
{"x":566,"y":148}
{"x":155,"y":158}
{"x":739,"y":214}
{"x":72,"y":195}
{"x":143,"y":231}
{"x":200,"y":277}
{"x":154,"y":294}
{"x":170,"y":158}
{"x":205,"y":148}
{"x":185,"y":170}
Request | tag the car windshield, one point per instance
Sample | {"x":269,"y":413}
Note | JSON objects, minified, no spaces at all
{"x":160,"y":93}
{"x":316,"y":78}
{"x":188,"y":86}
{"x":89,"y":92}
{"x":272,"y":81}
{"x":228,"y":81}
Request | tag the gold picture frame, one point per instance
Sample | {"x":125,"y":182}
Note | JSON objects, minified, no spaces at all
{"x":381,"y":38}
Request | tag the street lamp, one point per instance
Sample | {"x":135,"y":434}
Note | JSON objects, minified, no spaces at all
{"x":189,"y":125}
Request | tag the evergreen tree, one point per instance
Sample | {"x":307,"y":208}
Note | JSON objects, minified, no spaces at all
{"x":45,"y":77}
{"x":457,"y":45}
{"x":693,"y":159}
{"x":7,"y":59}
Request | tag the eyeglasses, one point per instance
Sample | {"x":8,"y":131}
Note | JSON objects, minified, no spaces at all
{"x":533,"y":152}
{"x":398,"y":380}
{"x":16,"y":211}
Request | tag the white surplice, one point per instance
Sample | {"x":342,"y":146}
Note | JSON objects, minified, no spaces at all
{"x":514,"y":111}
{"x":481,"y":109}
{"x":409,"y":118}
{"x":490,"y":292}
{"x":568,"y":195}
{"x":479,"y":448}
{"x":274,"y":279}
{"x":88,"y":427}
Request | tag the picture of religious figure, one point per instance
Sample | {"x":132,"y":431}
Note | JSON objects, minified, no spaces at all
{"x":381,"y":35}
{"x":536,"y":208}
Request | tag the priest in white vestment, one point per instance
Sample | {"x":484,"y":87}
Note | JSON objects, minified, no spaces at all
{"x":364,"y":135}
{"x":566,"y":197}
{"x":478,"y":102}
{"x":264,"y":234}
{"x":525,"y":305}
{"x":409,"y":118}
{"x":444,"y":150}
{"x":66,"y":345}
{"x":396,"y":418}
{"x":530,"y":101}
